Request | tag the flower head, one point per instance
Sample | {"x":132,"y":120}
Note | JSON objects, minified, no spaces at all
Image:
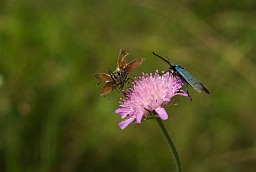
{"x":150,"y":93}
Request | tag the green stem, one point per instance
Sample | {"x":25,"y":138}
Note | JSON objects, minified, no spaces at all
{"x":171,"y":144}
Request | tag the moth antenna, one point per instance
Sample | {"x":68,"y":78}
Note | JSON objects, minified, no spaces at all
{"x":166,"y":60}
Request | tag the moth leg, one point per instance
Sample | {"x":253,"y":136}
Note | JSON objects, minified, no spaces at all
{"x":165,"y":72}
{"x":128,"y":79}
{"x":120,"y":89}
{"x":188,"y":92}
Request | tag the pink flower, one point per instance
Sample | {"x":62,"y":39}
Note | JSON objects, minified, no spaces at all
{"x":150,"y":93}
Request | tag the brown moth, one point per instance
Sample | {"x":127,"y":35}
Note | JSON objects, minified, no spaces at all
{"x":118,"y":78}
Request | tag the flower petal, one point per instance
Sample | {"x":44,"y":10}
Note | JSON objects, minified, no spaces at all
{"x":123,"y":112}
{"x":162,"y":113}
{"x":125,"y":123}
{"x":139,"y":117}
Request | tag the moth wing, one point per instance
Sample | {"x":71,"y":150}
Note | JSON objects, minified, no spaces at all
{"x":192,"y":81}
{"x":103,"y":77}
{"x":108,"y":87}
{"x":133,"y":65}
{"x":122,"y":58}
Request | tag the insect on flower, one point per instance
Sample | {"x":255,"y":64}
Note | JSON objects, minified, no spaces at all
{"x":186,"y":76}
{"x":118,"y":78}
{"x":148,"y":97}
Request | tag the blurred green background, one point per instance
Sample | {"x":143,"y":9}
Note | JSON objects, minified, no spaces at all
{"x":53,"y":119}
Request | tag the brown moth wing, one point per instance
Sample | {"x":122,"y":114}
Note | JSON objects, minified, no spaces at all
{"x":122,"y":58}
{"x":108,"y":87}
{"x":133,"y":65}
{"x":103,"y":77}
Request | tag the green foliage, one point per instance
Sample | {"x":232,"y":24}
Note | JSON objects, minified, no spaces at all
{"x":53,"y":119}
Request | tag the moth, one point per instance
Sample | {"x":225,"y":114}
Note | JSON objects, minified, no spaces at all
{"x":118,"y":77}
{"x":185,"y":76}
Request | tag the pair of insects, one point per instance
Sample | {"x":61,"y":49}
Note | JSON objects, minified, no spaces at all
{"x":118,"y":78}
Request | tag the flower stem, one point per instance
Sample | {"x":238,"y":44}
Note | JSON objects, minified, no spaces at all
{"x":171,"y":144}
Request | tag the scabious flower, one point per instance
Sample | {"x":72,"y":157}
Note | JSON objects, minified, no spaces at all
{"x":148,"y":96}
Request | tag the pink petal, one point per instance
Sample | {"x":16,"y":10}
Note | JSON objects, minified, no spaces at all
{"x":139,"y":117}
{"x":125,"y":123}
{"x":166,"y":100}
{"x":123,"y":112}
{"x":162,"y":113}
